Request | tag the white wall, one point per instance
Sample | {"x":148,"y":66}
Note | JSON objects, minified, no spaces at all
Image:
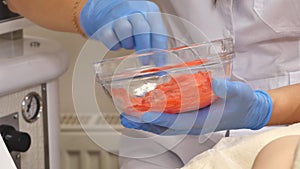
{"x":73,"y":44}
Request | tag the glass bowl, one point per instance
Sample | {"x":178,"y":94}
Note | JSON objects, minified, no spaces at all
{"x":182,"y":84}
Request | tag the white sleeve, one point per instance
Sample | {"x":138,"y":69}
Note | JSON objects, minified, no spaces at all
{"x":139,"y":149}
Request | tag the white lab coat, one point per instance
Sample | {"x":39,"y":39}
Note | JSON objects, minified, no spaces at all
{"x":267,"y":48}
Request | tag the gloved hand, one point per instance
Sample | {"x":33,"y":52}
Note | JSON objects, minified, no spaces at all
{"x":244,"y":109}
{"x":125,"y":24}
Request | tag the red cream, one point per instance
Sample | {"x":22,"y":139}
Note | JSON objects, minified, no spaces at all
{"x":182,"y":93}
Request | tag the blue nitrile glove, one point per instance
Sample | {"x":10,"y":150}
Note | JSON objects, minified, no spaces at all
{"x":244,"y":109}
{"x":125,"y":24}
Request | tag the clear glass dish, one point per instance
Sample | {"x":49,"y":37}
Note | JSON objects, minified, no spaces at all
{"x":182,"y":84}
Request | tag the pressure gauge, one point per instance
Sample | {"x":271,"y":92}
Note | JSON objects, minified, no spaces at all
{"x":31,"y":107}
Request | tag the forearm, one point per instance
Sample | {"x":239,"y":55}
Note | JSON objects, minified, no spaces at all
{"x":286,"y":105}
{"x":51,"y":14}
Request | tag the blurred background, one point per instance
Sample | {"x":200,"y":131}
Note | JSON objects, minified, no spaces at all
{"x":78,"y":151}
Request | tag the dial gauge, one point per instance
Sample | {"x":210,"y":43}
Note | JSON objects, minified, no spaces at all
{"x":31,"y":107}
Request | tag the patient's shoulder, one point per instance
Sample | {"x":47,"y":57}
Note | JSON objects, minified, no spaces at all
{"x":279,"y":153}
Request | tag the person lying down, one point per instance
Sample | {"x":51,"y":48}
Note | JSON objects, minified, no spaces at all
{"x":277,"y":148}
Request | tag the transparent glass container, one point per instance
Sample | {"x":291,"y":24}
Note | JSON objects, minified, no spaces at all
{"x":182,"y":83}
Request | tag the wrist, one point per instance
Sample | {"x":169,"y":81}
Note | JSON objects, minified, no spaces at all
{"x":261,"y":110}
{"x":77,"y":7}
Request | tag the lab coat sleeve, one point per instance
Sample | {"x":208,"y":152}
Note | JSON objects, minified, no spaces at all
{"x":139,"y":149}
{"x":167,"y":160}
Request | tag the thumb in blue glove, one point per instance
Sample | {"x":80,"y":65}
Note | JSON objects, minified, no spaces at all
{"x":126,"y":24}
{"x":243,"y":109}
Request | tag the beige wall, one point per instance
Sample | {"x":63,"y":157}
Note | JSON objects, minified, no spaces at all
{"x":72,"y":43}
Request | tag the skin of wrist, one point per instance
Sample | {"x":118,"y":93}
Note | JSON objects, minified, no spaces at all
{"x":78,"y":5}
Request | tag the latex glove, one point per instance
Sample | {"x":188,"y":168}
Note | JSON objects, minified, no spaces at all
{"x":244,"y":109}
{"x":125,"y":24}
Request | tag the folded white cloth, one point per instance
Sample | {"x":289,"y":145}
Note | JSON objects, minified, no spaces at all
{"x":239,"y":152}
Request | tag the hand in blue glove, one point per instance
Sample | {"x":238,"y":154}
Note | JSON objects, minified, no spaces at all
{"x":125,"y":24}
{"x":242,"y":108}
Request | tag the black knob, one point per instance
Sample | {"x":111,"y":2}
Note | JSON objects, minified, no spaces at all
{"x":15,"y":140}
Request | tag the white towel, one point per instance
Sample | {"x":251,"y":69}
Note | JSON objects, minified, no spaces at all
{"x":239,"y":152}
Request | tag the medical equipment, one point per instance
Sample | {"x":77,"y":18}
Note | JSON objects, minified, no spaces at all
{"x":29,"y":120}
{"x":183,"y":84}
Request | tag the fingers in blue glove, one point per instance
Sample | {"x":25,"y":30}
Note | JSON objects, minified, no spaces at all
{"x":183,"y":121}
{"x":135,"y":123}
{"x":126,"y":24}
{"x":141,"y":31}
{"x":123,"y":29}
{"x":159,"y":37}
{"x":227,"y":89}
{"x":252,"y":109}
{"x":146,"y":38}
{"x":219,"y":87}
{"x":111,"y":40}
{"x":128,"y":122}
{"x":160,"y":58}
